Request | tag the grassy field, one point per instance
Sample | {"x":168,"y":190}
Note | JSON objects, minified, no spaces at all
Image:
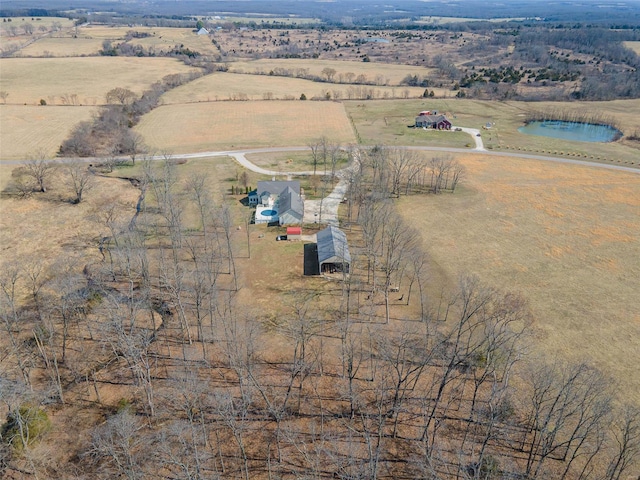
{"x":635,"y":46}
{"x":263,"y":19}
{"x":61,"y":47}
{"x":49,"y":228}
{"x":159,"y":39}
{"x":37,"y":128}
{"x":27,"y":80}
{"x":565,"y":236}
{"x":220,"y":125}
{"x":225,"y":86}
{"x":19,"y":22}
{"x":390,"y":74}
{"x":384,"y":121}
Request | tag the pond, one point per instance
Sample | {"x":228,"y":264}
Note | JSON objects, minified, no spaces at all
{"x":580,"y":132}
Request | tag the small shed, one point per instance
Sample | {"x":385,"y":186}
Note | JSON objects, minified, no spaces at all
{"x":203,"y":31}
{"x":294,"y":233}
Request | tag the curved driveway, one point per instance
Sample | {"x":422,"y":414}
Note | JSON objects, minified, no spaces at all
{"x":326,"y":210}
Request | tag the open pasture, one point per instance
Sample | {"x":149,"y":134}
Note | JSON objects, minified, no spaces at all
{"x":380,"y":73}
{"x":232,"y":86}
{"x":220,"y":125}
{"x":25,"y":130}
{"x":386,"y":122}
{"x":80,"y":81}
{"x":36,"y":22}
{"x":262,"y":19}
{"x":566,"y":237}
{"x":61,"y":46}
{"x":157,"y":39}
{"x":47,"y":228}
{"x":635,"y":46}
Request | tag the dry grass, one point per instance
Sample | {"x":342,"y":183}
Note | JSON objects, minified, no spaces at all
{"x":19,"y":22}
{"x":61,"y":47}
{"x":385,"y":121}
{"x":37,"y":128}
{"x":391,"y":74}
{"x":28,"y":80}
{"x":635,"y":46}
{"x":565,"y":236}
{"x":159,"y":39}
{"x":228,"y":86}
{"x":47,"y":228}
{"x":220,"y":125}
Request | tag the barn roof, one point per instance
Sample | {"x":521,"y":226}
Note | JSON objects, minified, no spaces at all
{"x":332,"y":246}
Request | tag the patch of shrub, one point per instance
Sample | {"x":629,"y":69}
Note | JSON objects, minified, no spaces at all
{"x":25,"y":426}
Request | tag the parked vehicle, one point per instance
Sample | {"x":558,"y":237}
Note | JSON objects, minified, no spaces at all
{"x":281,"y":237}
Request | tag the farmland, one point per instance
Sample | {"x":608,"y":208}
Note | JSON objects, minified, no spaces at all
{"x":387,"y":121}
{"x":224,"y":125}
{"x":377,"y":73}
{"x":37,"y":129}
{"x":150,"y":310}
{"x":81,"y":80}
{"x":232,"y":86}
{"x":565,"y":236}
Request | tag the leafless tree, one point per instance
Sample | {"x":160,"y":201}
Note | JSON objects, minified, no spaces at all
{"x":567,"y":408}
{"x":626,"y":443}
{"x":116,"y":446}
{"x":121,"y":96}
{"x":40,"y":169}
{"x":80,"y":179}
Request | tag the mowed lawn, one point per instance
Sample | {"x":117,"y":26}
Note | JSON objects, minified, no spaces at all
{"x":229,"y":86}
{"x":27,"y":129}
{"x":28,"y":80}
{"x":220,"y":125}
{"x":567,"y":237}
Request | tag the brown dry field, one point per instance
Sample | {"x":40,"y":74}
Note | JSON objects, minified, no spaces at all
{"x":49,"y":228}
{"x":389,"y":73}
{"x":61,"y":47}
{"x":37,"y":22}
{"x":565,"y":236}
{"x":228,"y":86}
{"x":160,"y":38}
{"x":201,"y":127}
{"x":27,"y":129}
{"x":27,"y":80}
{"x":635,"y":46}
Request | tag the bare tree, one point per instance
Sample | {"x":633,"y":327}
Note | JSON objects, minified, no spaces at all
{"x":40,"y":169}
{"x":121,"y":96}
{"x":80,"y":179}
{"x":115,"y":445}
{"x":626,"y":443}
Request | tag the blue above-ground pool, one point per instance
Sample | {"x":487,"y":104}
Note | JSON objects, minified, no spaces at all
{"x":268,"y":213}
